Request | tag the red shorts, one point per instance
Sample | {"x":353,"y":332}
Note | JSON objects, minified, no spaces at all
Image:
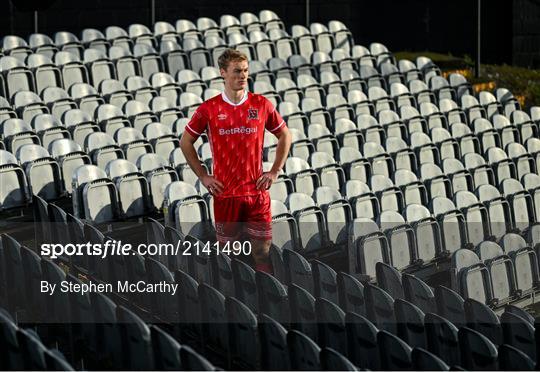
{"x":249,"y":214}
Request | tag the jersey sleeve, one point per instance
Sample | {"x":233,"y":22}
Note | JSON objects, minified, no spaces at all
{"x":198,"y":123}
{"x":274,"y":121}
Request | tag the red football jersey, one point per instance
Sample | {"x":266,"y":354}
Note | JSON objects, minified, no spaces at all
{"x":236,"y":136}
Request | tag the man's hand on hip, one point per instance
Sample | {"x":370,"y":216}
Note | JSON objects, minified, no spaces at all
{"x":212,"y":185}
{"x":266,"y":180}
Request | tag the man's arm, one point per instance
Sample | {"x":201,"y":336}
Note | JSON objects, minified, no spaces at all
{"x":282,"y":151}
{"x":186,"y":144}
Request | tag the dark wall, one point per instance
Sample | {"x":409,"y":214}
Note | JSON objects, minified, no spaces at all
{"x":526,"y":33}
{"x":413,"y":25}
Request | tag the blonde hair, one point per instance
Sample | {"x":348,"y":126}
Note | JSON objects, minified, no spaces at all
{"x":230,"y":55}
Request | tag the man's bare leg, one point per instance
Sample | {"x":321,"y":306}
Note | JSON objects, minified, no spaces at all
{"x":261,"y":255}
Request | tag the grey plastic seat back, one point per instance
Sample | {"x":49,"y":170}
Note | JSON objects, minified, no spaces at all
{"x":120,"y":167}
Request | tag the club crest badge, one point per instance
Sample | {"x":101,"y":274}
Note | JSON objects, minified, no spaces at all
{"x":253,"y":114}
{"x":219,"y":228}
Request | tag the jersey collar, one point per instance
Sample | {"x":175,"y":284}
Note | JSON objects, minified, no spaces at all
{"x":226,"y":99}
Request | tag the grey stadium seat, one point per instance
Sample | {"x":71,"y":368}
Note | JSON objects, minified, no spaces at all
{"x":14,"y":191}
{"x":110,"y":118}
{"x":73,"y":70}
{"x":57,"y":100}
{"x":285,"y":45}
{"x":141,"y":34}
{"x":126,"y":64}
{"x":424,"y":360}
{"x":362,"y":341}
{"x":117,"y":36}
{"x":298,"y":270}
{"x":166,"y":86}
{"x":331,"y":320}
{"x":16,"y":133}
{"x":364,"y":202}
{"x":45,"y":72}
{"x":521,"y":203}
{"x":158,"y":173}
{"x":168,"y":112}
{"x":86,"y":97}
{"x":48,"y":128}
{"x":42,"y":44}
{"x":274,"y":353}
{"x":139,"y":114}
{"x":442,"y":338}
{"x":410,"y":323}
{"x":304,"y":39}
{"x":450,"y":305}
{"x":525,"y":262}
{"x":93,"y":38}
{"x":325,"y":39}
{"x":519,"y":333}
{"x":95,"y":195}
{"x":451,"y":222}
{"x":161,"y":138}
{"x":140,"y":88}
{"x":242,"y":325}
{"x":99,"y":65}
{"x":476,"y":215}
{"x":133,"y":193}
{"x":69,"y":156}
{"x":28,"y":104}
{"x":526,"y":126}
{"x":389,"y":279}
{"x":330,"y":173}
{"x":42,"y":172}
{"x":501,"y":270}
{"x":400,"y":357}
{"x":69,"y":42}
{"x":187,"y":209}
{"x":311,"y":221}
{"x":272,"y":297}
{"x":305,"y":179}
{"x":303,"y":351}
{"x":400,"y":237}
{"x":418,"y":293}
{"x":174,"y":57}
{"x":337,"y":212}
{"x":477,"y":351}
{"x":414,"y":191}
{"x":80,"y":124}
{"x":149,"y":59}
{"x":102,"y":148}
{"x":473,"y":276}
{"x":367,"y":246}
{"x":16,"y":75}
{"x":427,"y":232}
{"x":351,"y":294}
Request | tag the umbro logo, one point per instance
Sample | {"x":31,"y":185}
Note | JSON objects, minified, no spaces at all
{"x":222,"y":116}
{"x":253,"y":114}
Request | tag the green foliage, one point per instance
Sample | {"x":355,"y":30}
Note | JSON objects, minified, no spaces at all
{"x":520,"y":81}
{"x":444,"y":61}
{"x":534,"y":91}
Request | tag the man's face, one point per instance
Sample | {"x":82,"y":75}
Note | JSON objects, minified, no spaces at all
{"x":236,"y":75}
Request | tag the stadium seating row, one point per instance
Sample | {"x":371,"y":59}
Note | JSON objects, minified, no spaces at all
{"x":394,"y":169}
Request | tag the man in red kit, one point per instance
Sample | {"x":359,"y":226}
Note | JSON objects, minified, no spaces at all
{"x":235,"y":123}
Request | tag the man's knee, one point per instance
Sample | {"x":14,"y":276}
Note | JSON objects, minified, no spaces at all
{"x":261,"y":248}
{"x":261,"y":255}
